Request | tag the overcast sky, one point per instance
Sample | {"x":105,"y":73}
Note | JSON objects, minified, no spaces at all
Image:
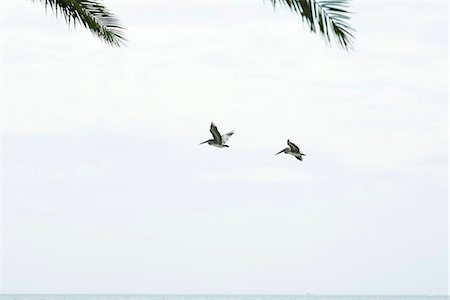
{"x":106,"y":190}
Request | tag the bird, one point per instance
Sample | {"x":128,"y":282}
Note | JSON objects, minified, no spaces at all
{"x":292,"y":150}
{"x":218,"y":140}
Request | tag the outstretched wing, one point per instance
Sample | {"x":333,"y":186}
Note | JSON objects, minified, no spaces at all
{"x":299,"y":157}
{"x":215,"y":133}
{"x":293,"y":147}
{"x":226,"y":136}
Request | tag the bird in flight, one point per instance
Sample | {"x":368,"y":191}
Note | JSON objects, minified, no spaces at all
{"x":218,"y":140}
{"x":292,"y":150}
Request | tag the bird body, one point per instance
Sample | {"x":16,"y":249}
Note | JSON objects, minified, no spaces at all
{"x":213,"y":143}
{"x":218,"y":139}
{"x":292,"y":150}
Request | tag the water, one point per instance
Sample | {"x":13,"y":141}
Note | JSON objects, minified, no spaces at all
{"x":215,"y":297}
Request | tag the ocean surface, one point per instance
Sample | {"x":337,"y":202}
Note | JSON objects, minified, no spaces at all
{"x":215,"y":297}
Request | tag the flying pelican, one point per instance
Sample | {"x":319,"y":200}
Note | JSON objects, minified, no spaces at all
{"x":292,"y":150}
{"x":218,"y":139}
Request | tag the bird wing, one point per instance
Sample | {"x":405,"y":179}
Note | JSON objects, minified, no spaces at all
{"x":226,"y":136}
{"x":299,"y":157}
{"x":215,"y":133}
{"x":293,"y":147}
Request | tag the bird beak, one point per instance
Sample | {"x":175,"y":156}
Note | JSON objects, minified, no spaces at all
{"x":203,"y":142}
{"x":279,"y":152}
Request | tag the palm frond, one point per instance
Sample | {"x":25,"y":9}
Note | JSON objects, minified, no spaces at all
{"x":329,"y":17}
{"x":92,"y":15}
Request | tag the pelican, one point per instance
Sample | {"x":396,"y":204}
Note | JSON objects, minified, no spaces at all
{"x":218,"y":140}
{"x":292,"y":150}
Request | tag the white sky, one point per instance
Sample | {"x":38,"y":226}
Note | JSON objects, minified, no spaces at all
{"x":106,"y":189}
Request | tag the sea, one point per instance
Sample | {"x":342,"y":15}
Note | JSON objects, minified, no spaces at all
{"x":216,"y":297}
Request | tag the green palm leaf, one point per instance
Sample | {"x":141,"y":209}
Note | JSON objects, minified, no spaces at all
{"x":92,"y":15}
{"x":328,"y":16}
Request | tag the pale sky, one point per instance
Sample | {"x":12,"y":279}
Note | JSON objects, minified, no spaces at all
{"x":106,"y":190}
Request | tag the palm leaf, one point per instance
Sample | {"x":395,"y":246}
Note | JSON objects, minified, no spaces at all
{"x":92,"y":15}
{"x":329,"y":17}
